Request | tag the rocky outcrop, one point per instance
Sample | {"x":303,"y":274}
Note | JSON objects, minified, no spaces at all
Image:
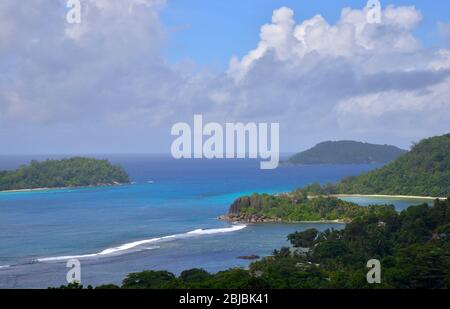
{"x":249,"y":218}
{"x":249,"y":257}
{"x":238,"y":205}
{"x":236,"y":214}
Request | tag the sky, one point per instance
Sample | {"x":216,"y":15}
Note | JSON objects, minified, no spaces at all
{"x":119,"y":80}
{"x":211,"y":31}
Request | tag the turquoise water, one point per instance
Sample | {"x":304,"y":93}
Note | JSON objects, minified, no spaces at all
{"x":165,"y":219}
{"x":400,"y":203}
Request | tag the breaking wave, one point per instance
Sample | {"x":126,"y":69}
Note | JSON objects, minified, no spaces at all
{"x":138,"y":245}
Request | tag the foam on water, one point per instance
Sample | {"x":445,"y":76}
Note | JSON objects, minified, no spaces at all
{"x":217,"y":231}
{"x":136,"y":244}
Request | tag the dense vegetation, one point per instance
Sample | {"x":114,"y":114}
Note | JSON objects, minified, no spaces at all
{"x":424,"y":171}
{"x":295,"y":207}
{"x":74,"y":172}
{"x":413,"y":248}
{"x":347,"y":152}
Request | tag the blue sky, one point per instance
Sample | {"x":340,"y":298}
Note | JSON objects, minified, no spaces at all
{"x":212,"y":31}
{"x":118,"y":81}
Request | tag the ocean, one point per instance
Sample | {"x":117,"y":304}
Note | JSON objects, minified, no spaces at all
{"x":166,"y":219}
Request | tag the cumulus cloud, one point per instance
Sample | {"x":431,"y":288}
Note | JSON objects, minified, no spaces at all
{"x":56,"y":71}
{"x":351,"y":79}
{"x":352,"y":36}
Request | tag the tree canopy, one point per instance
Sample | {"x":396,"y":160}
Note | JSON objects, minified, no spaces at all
{"x":424,"y":171}
{"x":73,"y":172}
{"x":297,"y":206}
{"x":347,"y":152}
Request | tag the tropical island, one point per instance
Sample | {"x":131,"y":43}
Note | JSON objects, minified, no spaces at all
{"x":346,"y":152}
{"x":73,"y":172}
{"x":297,"y":207}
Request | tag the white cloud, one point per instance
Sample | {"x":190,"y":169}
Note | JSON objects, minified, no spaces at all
{"x":337,"y":74}
{"x":441,"y":61}
{"x":60,"y":71}
{"x":350,"y":79}
{"x":353,"y":35}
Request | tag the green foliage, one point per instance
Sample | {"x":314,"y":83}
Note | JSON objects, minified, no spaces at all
{"x":73,"y":172}
{"x":303,"y":239}
{"x":234,"y":279}
{"x":194,"y":277}
{"x":288,"y":272}
{"x":150,"y":280}
{"x":420,"y":266}
{"x":347,"y":152}
{"x":73,"y":286}
{"x":424,"y":171}
{"x":107,"y":287}
{"x":296,"y":206}
{"x":413,"y":247}
{"x":337,"y":259}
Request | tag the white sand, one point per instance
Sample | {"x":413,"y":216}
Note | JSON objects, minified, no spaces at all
{"x":391,"y":196}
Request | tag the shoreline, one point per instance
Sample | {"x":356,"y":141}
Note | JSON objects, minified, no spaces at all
{"x":276,"y":221}
{"x":322,"y":222}
{"x":264,"y":220}
{"x":60,"y":188}
{"x":390,"y":196}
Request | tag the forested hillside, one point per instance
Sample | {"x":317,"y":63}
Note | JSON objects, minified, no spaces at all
{"x":73,"y":172}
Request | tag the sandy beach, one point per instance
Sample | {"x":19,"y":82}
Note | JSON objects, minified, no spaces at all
{"x":390,"y":196}
{"x":59,"y":188}
{"x":30,"y":190}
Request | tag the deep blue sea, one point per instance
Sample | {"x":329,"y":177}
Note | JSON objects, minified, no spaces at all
{"x":165,"y":220}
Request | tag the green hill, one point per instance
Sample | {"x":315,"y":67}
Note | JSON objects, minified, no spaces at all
{"x":73,"y":172}
{"x":424,"y":171}
{"x":347,"y":152}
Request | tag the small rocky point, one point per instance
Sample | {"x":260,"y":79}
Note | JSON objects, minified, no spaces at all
{"x":249,"y":219}
{"x":249,"y":257}
{"x":235,"y":215}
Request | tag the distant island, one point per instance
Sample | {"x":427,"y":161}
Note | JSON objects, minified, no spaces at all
{"x":297,"y":207}
{"x":346,"y":152}
{"x":73,"y":172}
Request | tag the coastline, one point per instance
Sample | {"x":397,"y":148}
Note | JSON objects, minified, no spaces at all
{"x":390,"y":196}
{"x":232,"y":220}
{"x":256,"y":219}
{"x":323,"y":222}
{"x":32,"y":190}
{"x":60,"y":188}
